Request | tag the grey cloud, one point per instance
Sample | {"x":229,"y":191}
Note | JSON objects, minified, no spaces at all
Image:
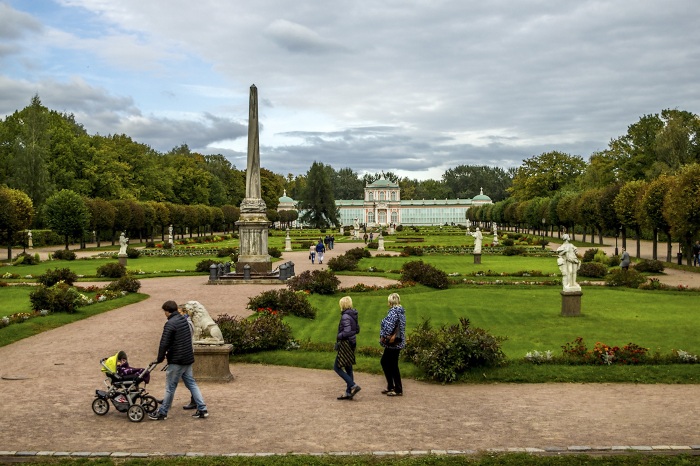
{"x":299,"y":39}
{"x":16,"y":24}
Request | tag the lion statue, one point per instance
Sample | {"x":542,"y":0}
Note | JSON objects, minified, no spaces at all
{"x":206,"y":332}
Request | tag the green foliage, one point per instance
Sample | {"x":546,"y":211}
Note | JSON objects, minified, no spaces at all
{"x":627,"y":278}
{"x":60,"y":297}
{"x":265,"y":332}
{"x":132,"y":253}
{"x":51,"y":277}
{"x":285,"y":302}
{"x":111,"y":270}
{"x":274,"y":252}
{"x":66,"y":213}
{"x":650,"y":266}
{"x":513,"y":251}
{"x":589,"y":255}
{"x":425,"y":274}
{"x":592,"y":270}
{"x":64,"y":255}
{"x":126,"y":283}
{"x":357,"y":253}
{"x":167,"y":245}
{"x":343,"y":262}
{"x":576,"y":352}
{"x":317,"y":200}
{"x":26,"y":259}
{"x":508,"y":242}
{"x":205,"y":264}
{"x":318,"y":281}
{"x":226,"y":252}
{"x":411,"y":251}
{"x":446,"y":353}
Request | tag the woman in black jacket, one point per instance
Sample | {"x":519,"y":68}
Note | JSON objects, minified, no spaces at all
{"x":346,"y":343}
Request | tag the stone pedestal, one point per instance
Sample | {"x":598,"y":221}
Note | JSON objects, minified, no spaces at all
{"x":571,"y":303}
{"x":477,"y":258}
{"x":122,"y":259}
{"x":380,"y":244}
{"x":211,"y":363}
{"x":287,"y":243}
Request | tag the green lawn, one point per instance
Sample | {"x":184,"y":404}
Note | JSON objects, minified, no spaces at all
{"x":464,"y":264}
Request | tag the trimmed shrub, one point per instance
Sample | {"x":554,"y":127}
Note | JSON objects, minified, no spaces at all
{"x":111,"y":270}
{"x":150,"y":245}
{"x":132,"y":253}
{"x":589,"y":255}
{"x":343,"y":262}
{"x":628,"y":278}
{"x":357,"y":253}
{"x":593,"y":270}
{"x":372,"y":245}
{"x":204,"y":265}
{"x":58,"y":298}
{"x":51,"y":277}
{"x":126,"y":283}
{"x":167,"y":245}
{"x":450,"y":351}
{"x":286,"y":302}
{"x":265,"y":332}
{"x":274,"y":252}
{"x":64,"y":255}
{"x":318,"y":281}
{"x":226,"y":252}
{"x":411,"y":251}
{"x":650,"y":266}
{"x":513,"y":251}
{"x":425,"y":274}
{"x":507,"y":242}
{"x":26,"y":259}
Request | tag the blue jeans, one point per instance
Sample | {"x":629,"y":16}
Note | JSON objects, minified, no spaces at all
{"x":345,"y":375}
{"x":173,"y":374}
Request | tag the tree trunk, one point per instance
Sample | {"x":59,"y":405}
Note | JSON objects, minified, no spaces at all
{"x":655,"y":245}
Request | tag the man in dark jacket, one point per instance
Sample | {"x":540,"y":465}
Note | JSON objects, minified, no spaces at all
{"x":176,"y":346}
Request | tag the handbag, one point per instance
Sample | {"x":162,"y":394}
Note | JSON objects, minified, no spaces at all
{"x":394,"y":338}
{"x":346,"y":354}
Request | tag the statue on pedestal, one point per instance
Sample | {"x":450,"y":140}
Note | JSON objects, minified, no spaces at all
{"x":569,"y":264}
{"x":123,"y":243}
{"x":478,"y":237}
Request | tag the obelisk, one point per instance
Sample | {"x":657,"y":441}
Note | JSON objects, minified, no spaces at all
{"x":253,"y":224}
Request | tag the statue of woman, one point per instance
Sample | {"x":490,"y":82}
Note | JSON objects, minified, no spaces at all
{"x":477,"y":240}
{"x":123,"y":243}
{"x":569,"y":264}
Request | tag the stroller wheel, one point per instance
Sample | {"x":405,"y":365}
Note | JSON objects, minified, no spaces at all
{"x":149,"y":404}
{"x":100,"y":406}
{"x":135,"y":413}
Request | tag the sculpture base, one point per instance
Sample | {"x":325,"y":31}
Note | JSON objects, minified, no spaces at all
{"x":477,"y":258}
{"x":122,"y":259}
{"x":257,"y":267}
{"x":211,"y":363}
{"x":571,"y":303}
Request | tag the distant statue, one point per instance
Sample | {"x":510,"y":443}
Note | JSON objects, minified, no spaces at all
{"x":123,"y":243}
{"x":569,"y":264}
{"x":356,"y":225}
{"x":170,"y":234}
{"x":477,"y":240}
{"x":30,"y":243}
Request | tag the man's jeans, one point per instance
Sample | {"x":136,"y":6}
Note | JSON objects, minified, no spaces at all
{"x":172,"y":376}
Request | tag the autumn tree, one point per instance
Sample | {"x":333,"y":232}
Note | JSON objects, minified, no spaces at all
{"x":682,"y":207}
{"x":15,"y":215}
{"x":627,"y":205}
{"x":653,"y":207}
{"x":66,"y":213}
{"x":545,"y":174}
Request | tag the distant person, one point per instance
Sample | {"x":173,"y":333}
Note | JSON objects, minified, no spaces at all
{"x":625,"y":260}
{"x":365,"y":238}
{"x":696,"y":253}
{"x":320,"y":249}
{"x":393,"y":323}
{"x":346,"y":342}
{"x":312,"y":253}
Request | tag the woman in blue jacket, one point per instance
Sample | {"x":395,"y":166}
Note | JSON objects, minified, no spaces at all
{"x":395,"y":321}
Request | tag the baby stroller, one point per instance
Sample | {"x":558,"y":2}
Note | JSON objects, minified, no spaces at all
{"x":124,"y":392}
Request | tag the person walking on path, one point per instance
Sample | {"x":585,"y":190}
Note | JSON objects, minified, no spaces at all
{"x":393,"y":323}
{"x":176,"y":345}
{"x":625,"y":260}
{"x":696,"y":253}
{"x":320,"y":249}
{"x":346,"y":342}
{"x":312,"y":253}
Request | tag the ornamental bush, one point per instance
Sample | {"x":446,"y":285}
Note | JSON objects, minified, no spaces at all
{"x":126,"y":283}
{"x":411,"y":251}
{"x":225,"y":252}
{"x":111,"y":270}
{"x":592,"y":270}
{"x":343,"y":262}
{"x":132,"y":253}
{"x":26,"y":259}
{"x":58,"y":298}
{"x":589,"y":255}
{"x":628,"y":278}
{"x":274,"y":252}
{"x":446,"y":353}
{"x":64,"y":255}
{"x":357,"y":253}
{"x":513,"y":251}
{"x":318,"y":281}
{"x":650,"y":266}
{"x":285,"y":302}
{"x":51,"y":277}
{"x":425,"y":274}
{"x":265,"y":332}
{"x":205,"y":264}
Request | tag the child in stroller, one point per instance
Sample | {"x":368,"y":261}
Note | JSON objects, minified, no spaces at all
{"x":124,"y":388}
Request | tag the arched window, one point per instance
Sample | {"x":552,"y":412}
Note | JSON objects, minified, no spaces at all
{"x":393,"y":195}
{"x":370,"y":217}
{"x":394,"y":217}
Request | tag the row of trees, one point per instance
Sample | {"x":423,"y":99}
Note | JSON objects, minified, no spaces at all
{"x":668,"y":204}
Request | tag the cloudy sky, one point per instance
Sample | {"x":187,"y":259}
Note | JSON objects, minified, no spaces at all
{"x":410,"y":86}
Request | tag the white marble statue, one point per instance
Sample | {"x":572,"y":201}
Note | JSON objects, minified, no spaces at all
{"x":478,"y":237}
{"x":123,"y":243}
{"x":170,"y":234}
{"x":569,"y":264}
{"x":206,"y":332}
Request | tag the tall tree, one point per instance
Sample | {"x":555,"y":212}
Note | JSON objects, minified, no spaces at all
{"x":15,"y":215}
{"x":682,"y":207}
{"x":317,"y":202}
{"x":66,"y":213}
{"x":653,"y":207}
{"x":545,"y":174}
{"x":102,"y":215}
{"x":627,"y":207}
{"x":347,"y":184}
{"x":466,"y":181}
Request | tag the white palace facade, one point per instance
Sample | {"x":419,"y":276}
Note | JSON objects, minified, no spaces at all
{"x":382,"y":205}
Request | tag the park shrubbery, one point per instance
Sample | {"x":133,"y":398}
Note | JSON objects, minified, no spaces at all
{"x":204,"y":265}
{"x":628,"y":278}
{"x":343,"y":262}
{"x":64,"y":255}
{"x":51,"y":277}
{"x":446,"y":353}
{"x":225,"y":252}
{"x":60,"y":297}
{"x":425,"y":274}
{"x":126,"y":283}
{"x":26,"y":259}
{"x":266,"y":332}
{"x":513,"y":251}
{"x":593,"y":270}
{"x":357,"y":253}
{"x":111,"y":270}
{"x":318,"y":281}
{"x":284,"y":302}
{"x":132,"y":253}
{"x":411,"y":251}
{"x":274,"y":252}
{"x":650,"y":266}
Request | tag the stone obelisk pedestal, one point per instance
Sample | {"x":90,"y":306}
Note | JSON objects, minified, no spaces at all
{"x":477,"y":258}
{"x":211,"y":363}
{"x":571,"y":303}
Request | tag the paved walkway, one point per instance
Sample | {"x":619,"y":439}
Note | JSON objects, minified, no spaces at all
{"x":47,"y":384}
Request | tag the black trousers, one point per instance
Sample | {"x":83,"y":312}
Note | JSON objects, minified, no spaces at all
{"x":390,"y":366}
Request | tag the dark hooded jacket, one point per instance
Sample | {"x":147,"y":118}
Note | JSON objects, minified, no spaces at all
{"x":176,"y":341}
{"x":349,"y":326}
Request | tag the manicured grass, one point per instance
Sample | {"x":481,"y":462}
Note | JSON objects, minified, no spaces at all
{"x":16,"y":332}
{"x":15,"y":299}
{"x":464,"y":264}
